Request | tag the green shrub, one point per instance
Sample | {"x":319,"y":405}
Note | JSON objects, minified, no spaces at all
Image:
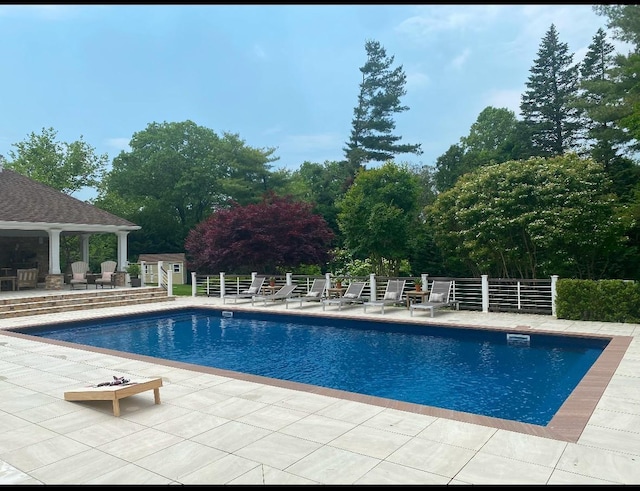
{"x":598,"y":300}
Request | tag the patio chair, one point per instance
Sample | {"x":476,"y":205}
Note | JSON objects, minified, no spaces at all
{"x":439,"y":296}
{"x":253,"y":289}
{"x":79,"y":271}
{"x":315,"y":293}
{"x":392,"y":296}
{"x":107,"y":270}
{"x":26,"y":278}
{"x":281,"y":295}
{"x":351,"y":296}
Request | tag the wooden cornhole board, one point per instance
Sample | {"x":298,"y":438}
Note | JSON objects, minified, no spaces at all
{"x":116,"y":392}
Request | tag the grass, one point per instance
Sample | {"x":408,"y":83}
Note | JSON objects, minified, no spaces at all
{"x":182,"y":290}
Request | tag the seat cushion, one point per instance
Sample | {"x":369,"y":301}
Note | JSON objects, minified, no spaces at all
{"x":391,"y":296}
{"x":312,"y":294}
{"x":436,"y":297}
{"x":78,"y":277}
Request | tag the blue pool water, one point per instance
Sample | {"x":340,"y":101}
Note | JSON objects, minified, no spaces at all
{"x":470,"y":370}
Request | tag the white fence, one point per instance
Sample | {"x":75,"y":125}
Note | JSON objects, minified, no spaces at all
{"x":482,"y":294}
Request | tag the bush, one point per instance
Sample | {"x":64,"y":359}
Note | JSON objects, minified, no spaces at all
{"x":598,"y":300}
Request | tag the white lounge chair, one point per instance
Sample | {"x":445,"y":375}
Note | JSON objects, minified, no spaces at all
{"x":392,"y":296}
{"x":315,"y":293}
{"x":248,"y":294}
{"x":439,"y":296}
{"x":351,"y":296}
{"x":281,"y":295}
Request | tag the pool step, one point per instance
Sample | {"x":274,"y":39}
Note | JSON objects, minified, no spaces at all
{"x":77,"y":300}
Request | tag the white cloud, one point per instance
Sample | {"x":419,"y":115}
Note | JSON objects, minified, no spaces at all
{"x":259,"y":52}
{"x":416,"y":80}
{"x":50,"y":12}
{"x":458,"y":62}
{"x":312,"y":143}
{"x":119,"y":144}
{"x":509,"y":99}
{"x":434,"y":19}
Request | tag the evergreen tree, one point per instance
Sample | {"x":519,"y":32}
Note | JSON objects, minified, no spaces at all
{"x":546,"y":105}
{"x":381,"y":88}
{"x":600,"y":104}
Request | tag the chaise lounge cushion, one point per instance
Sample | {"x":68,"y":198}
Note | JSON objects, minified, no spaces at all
{"x":391,"y":296}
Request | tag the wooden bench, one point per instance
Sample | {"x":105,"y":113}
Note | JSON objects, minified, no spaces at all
{"x":116,"y":392}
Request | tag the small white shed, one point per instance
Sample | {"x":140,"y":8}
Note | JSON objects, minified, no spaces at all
{"x":174,"y":263}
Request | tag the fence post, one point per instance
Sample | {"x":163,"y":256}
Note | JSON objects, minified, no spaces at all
{"x":554,"y":279}
{"x":372,"y":282}
{"x":222,"y":289}
{"x":194,"y":287}
{"x":485,"y":293}
{"x":424,"y":278}
{"x":288,"y":275}
{"x":170,"y":283}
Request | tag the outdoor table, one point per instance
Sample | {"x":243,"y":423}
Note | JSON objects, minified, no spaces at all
{"x":9,"y":279}
{"x":422,"y":295}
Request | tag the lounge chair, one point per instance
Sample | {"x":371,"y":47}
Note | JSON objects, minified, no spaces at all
{"x":79,"y":271}
{"x":253,"y":289}
{"x":392,"y":296}
{"x":439,"y":296}
{"x":315,"y":293}
{"x":107,"y":270}
{"x":281,"y":295}
{"x":351,"y":296}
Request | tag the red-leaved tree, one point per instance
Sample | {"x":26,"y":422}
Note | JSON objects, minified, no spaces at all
{"x":272,"y":236}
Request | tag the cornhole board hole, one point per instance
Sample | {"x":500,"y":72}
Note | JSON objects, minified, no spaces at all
{"x":116,"y":392}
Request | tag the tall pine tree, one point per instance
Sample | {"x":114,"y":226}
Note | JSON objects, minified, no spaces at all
{"x":546,"y":106}
{"x":381,"y":88}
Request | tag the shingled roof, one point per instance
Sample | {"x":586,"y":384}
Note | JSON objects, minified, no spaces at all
{"x":24,"y":201}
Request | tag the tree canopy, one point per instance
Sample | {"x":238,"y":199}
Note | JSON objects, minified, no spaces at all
{"x":532,"y":218}
{"x":270,"y":236}
{"x":67,"y":167}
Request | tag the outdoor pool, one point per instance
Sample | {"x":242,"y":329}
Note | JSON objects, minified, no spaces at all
{"x":525,"y":378}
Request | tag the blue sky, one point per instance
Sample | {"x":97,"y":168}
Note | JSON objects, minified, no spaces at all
{"x":283,"y":77}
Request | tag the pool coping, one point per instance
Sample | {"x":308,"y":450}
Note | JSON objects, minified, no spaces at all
{"x":567,"y":424}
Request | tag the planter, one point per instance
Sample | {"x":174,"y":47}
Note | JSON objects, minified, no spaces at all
{"x":136,"y":282}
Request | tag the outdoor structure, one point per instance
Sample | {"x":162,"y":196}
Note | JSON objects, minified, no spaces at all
{"x":174,"y":263}
{"x":33,"y":218}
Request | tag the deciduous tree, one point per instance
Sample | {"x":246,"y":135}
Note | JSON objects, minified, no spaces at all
{"x":269,"y":237}
{"x":377,"y":213}
{"x":67,"y":167}
{"x":531,"y":219}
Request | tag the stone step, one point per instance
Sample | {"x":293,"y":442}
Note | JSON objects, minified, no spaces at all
{"x":46,"y":304}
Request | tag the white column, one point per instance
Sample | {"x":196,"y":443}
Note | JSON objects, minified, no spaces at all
{"x":288,"y":276}
{"x":194,"y":286}
{"x":122,"y":250}
{"x":54,"y":251}
{"x":222,"y":286}
{"x":84,"y":247}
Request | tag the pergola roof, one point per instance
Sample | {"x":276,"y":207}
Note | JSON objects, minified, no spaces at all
{"x":28,"y":205}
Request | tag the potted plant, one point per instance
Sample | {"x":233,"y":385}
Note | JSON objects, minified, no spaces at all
{"x":134,"y":274}
{"x":418,"y":284}
{"x":272,"y":281}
